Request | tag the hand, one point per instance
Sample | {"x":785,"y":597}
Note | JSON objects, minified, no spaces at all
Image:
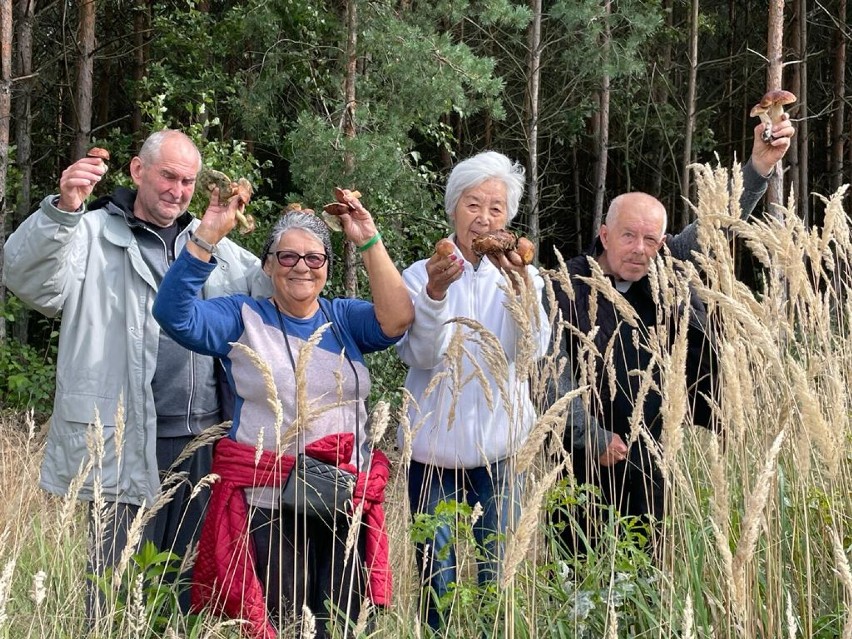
{"x":765,"y":155}
{"x":615,"y":452}
{"x":442,"y":270}
{"x":78,"y":181}
{"x":220,"y":218}
{"x":510,"y":262}
{"x":357,"y":223}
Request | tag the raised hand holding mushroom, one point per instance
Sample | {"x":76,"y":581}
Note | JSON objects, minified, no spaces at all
{"x":210,"y":179}
{"x":770,"y":109}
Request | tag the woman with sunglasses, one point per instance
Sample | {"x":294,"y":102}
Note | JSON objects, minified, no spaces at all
{"x":310,"y":349}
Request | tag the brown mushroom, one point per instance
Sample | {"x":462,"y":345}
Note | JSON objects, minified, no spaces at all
{"x":210,"y":179}
{"x":445,"y":247}
{"x":526,"y":250}
{"x":503,"y":242}
{"x":98,"y":152}
{"x":770,"y":109}
{"x":342,"y":205}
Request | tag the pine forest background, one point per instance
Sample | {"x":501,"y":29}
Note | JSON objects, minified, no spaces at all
{"x":594,"y":97}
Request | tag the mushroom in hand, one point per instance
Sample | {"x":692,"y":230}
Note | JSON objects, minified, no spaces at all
{"x":770,"y":109}
{"x":210,"y":179}
{"x":341,"y":206}
{"x":98,"y":152}
{"x":503,"y":241}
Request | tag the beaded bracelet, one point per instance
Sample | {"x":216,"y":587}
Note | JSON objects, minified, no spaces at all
{"x":370,"y":242}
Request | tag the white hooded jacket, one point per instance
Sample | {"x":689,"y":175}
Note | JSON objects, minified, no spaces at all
{"x":469,"y":418}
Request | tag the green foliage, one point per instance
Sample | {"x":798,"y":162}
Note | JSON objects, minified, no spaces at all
{"x":27,"y":371}
{"x":453,"y":514}
{"x":610,"y":572}
{"x":146,"y":595}
{"x":387,"y":375}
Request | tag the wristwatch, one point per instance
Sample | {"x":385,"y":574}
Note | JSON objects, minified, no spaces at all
{"x":213,"y":249}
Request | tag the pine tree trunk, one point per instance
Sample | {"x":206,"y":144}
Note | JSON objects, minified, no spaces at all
{"x":534,"y":70}
{"x":775,"y":55}
{"x":24,"y":15}
{"x":23,"y":65}
{"x":578,"y":205}
{"x":796,"y":71}
{"x":803,"y":134}
{"x":5,"y":116}
{"x":85,"y":68}
{"x":350,"y":276}
{"x":838,"y":126}
{"x":140,"y":61}
{"x":690,"y":115}
{"x":660,"y":90}
{"x":603,"y":131}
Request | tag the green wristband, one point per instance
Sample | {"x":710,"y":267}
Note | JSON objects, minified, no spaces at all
{"x":370,"y":242}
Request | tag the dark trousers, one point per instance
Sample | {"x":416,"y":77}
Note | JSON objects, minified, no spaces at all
{"x":175,"y":527}
{"x":634,"y":487}
{"x":301,"y":561}
{"x":498,"y":492}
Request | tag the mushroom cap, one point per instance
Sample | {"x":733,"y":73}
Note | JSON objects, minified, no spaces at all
{"x":772,"y":98}
{"x":97,"y":152}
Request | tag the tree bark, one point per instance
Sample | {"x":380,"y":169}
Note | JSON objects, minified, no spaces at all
{"x":85,"y":68}
{"x":685,"y":181}
{"x":775,"y":54}
{"x":23,"y":65}
{"x":796,"y":33}
{"x":603,"y":129}
{"x":534,"y":71}
{"x":140,"y":62}
{"x":802,"y":134}
{"x":660,"y":90}
{"x":578,"y":203}
{"x":838,"y":126}
{"x":350,"y":277}
{"x":5,"y":117}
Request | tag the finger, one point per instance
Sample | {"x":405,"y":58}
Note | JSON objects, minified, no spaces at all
{"x":216,"y":196}
{"x":90,"y":172}
{"x":494,"y":260}
{"x":236,"y":204}
{"x":783,"y":134}
{"x":89,"y":164}
{"x":455,"y":272}
{"x":514,"y":259}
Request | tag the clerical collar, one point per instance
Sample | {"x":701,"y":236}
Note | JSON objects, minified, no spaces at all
{"x":622,"y":286}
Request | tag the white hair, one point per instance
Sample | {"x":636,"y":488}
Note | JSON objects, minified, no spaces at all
{"x":150,"y":151}
{"x":302,"y":221}
{"x":476,"y":170}
{"x":614,"y":208}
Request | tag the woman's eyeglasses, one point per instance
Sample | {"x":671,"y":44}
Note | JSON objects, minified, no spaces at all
{"x":291,"y":258}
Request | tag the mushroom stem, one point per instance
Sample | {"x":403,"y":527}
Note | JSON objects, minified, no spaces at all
{"x":766,"y":136}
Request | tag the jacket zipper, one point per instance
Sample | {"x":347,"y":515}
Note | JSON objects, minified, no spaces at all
{"x":191,"y":395}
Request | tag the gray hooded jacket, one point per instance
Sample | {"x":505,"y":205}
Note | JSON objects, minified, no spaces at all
{"x":89,"y":267}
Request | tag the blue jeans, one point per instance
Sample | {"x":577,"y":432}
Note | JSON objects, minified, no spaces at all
{"x":495,"y":487}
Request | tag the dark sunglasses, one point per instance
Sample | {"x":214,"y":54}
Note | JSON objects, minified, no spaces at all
{"x":291,"y":258}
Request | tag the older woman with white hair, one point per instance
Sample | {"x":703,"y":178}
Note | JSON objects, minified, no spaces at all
{"x":464,"y":429}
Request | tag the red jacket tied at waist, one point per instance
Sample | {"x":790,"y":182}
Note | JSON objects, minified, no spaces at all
{"x":225,"y":579}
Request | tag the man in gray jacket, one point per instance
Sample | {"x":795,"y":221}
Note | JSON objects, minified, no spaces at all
{"x":100,"y":266}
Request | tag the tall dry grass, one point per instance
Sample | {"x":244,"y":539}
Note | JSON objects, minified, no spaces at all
{"x":759,"y":528}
